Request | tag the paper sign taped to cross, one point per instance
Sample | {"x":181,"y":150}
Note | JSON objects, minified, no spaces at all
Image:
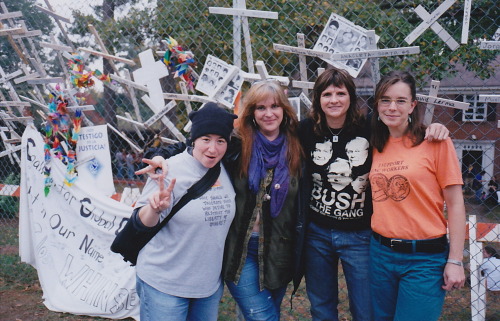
{"x":341,"y":35}
{"x":229,"y":93}
{"x":489,"y":45}
{"x":214,"y":75}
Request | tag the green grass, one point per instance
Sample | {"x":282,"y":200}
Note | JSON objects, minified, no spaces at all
{"x":16,"y":274}
{"x":9,"y":232}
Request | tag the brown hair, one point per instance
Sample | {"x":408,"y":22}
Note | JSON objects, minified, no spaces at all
{"x":379,"y":130}
{"x":247,"y":128}
{"x":337,"y":78}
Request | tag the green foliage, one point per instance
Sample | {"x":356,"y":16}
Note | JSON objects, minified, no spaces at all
{"x":9,"y":205}
{"x":190,"y":23}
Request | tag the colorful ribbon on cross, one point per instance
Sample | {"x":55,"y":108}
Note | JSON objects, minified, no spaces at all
{"x":61,"y":136}
{"x":82,"y":78}
{"x":175,"y":56}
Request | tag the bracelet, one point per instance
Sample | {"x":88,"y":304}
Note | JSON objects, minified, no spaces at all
{"x":456,"y":262}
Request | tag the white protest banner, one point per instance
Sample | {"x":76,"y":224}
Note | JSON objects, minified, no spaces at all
{"x":67,"y":235}
{"x":93,"y":141}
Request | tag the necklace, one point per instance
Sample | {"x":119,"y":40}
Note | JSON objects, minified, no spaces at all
{"x":335,"y":137}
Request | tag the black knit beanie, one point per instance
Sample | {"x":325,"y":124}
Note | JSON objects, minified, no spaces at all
{"x":211,"y":119}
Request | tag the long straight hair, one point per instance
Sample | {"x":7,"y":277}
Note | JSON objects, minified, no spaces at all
{"x":380,"y":132}
{"x":248,"y":128}
{"x":337,"y":78}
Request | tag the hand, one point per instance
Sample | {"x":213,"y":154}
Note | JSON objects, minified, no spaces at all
{"x":454,"y":277}
{"x":436,"y":131}
{"x":161,"y":200}
{"x":154,"y":163}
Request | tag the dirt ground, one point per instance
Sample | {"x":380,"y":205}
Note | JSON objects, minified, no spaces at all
{"x":23,"y":302}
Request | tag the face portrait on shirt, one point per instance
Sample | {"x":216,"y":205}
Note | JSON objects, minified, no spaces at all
{"x":339,"y":174}
{"x":322,"y":153}
{"x":360,"y":183}
{"x":357,"y":151}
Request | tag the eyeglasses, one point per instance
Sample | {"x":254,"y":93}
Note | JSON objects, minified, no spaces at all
{"x":386,"y":102}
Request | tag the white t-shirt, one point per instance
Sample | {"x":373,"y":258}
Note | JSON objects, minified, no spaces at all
{"x":185,"y":258}
{"x":491,"y":268}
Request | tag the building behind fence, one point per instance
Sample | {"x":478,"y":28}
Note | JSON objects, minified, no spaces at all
{"x":458,"y":46}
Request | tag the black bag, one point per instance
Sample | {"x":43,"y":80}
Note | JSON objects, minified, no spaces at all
{"x":129,"y":241}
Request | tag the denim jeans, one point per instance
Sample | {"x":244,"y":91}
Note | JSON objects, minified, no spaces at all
{"x":406,"y":286}
{"x":324,"y":248}
{"x":255,"y":304}
{"x":156,"y":305}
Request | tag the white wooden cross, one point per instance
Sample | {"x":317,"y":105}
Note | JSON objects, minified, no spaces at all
{"x":136,"y":128}
{"x":11,"y":31}
{"x":466,"y":21}
{"x":9,"y":16}
{"x":241,"y":15}
{"x":432,"y":100}
{"x":376,"y":53}
{"x":168,"y":107}
{"x":27,"y":75}
{"x":478,"y":234}
{"x":108,"y":56}
{"x":429,"y":20}
{"x":264,"y":75}
{"x":125,"y":138}
{"x":6,"y":78}
{"x":164,"y":119}
{"x":58,"y":18}
{"x":302,"y":52}
{"x":132,"y":95}
{"x":10,"y":147}
{"x":58,"y":48}
{"x":27,"y":33}
{"x":301,"y":43}
{"x":489,"y":99}
{"x":149,"y":75}
{"x":371,"y":44}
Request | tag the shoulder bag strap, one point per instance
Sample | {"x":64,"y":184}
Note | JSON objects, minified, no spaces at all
{"x":195,"y":191}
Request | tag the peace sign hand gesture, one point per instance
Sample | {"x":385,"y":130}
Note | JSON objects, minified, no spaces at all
{"x":158,"y":202}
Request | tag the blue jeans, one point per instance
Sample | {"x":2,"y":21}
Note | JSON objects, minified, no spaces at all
{"x":406,"y":286}
{"x":156,"y":305}
{"x":324,"y":248}
{"x":255,"y":304}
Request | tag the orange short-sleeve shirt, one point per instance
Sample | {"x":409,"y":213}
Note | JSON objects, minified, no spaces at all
{"x":407,"y":187}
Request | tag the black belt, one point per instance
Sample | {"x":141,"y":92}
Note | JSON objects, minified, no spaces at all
{"x":437,"y":245}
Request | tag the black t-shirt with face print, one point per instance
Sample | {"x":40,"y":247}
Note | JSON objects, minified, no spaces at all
{"x":339,"y":168}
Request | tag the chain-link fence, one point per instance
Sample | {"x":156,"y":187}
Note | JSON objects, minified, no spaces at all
{"x":458,"y":46}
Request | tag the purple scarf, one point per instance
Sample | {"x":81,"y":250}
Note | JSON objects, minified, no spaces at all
{"x":266,"y":155}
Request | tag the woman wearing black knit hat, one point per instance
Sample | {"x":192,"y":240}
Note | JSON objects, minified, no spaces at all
{"x":179,"y":270}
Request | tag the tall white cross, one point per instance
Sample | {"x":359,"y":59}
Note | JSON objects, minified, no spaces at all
{"x":241,"y":15}
{"x":430,"y":20}
{"x":149,"y":75}
{"x":432,"y":99}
